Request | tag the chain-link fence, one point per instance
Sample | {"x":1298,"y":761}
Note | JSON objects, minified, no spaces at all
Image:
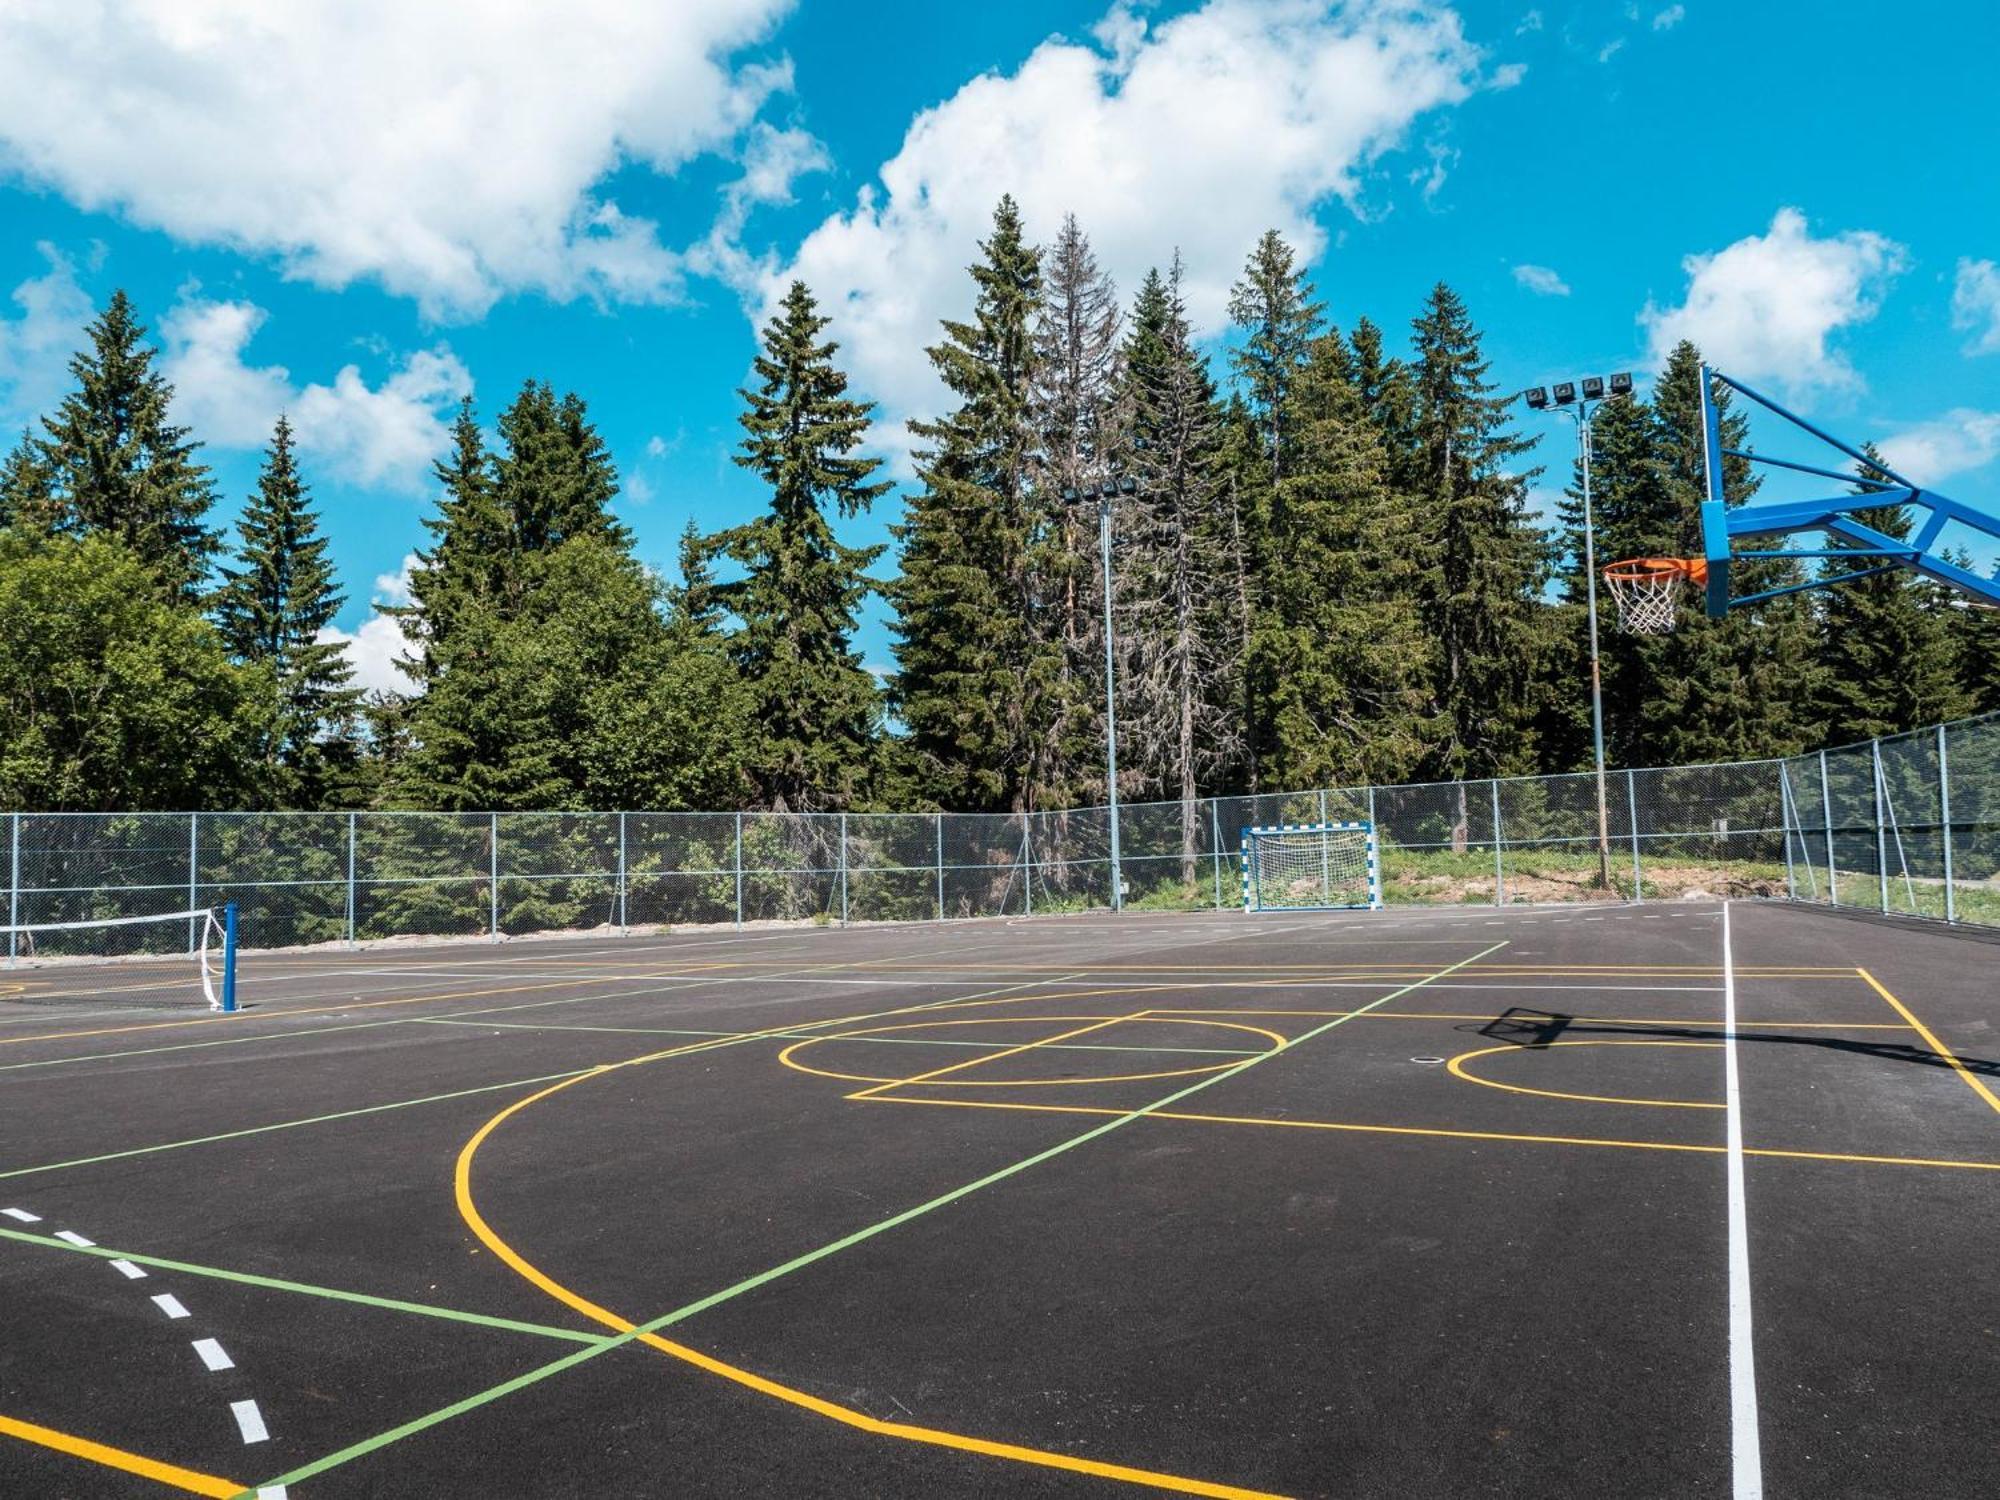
{"x":1908,"y":825}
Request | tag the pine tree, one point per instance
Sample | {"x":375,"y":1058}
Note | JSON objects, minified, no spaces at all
{"x":975,"y":675}
{"x":1482,"y":561}
{"x":552,"y":476}
{"x":118,"y":464}
{"x":1273,"y":305}
{"x":694,"y":611}
{"x":1341,"y":664}
{"x":27,"y":489}
{"x":1383,"y":384}
{"x":271,"y":612}
{"x":1177,"y":632}
{"x":1884,"y":655}
{"x":1741,"y":687}
{"x":1073,"y":395}
{"x":1976,"y":635}
{"x":816,"y":710}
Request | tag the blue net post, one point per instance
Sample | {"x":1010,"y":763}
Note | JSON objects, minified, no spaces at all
{"x":229,"y":957}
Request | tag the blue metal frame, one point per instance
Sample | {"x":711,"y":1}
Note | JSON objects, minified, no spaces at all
{"x":1253,"y":903}
{"x":1723,"y":524}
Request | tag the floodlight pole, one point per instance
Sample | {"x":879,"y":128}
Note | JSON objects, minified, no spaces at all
{"x":1581,"y":414}
{"x":1104,"y":493}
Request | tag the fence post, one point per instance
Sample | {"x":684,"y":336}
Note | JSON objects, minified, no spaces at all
{"x":194,"y":823}
{"x":1027,"y":864}
{"x":1632,"y":822}
{"x":1499,"y":872}
{"x":1786,"y":818}
{"x":843,"y":869}
{"x":350,"y":880}
{"x":1881,"y":826}
{"x":938,"y":838}
{"x":623,"y":928}
{"x":739,"y":869}
{"x":1826,"y":823}
{"x":1944,"y":817}
{"x":1325,"y":856}
{"x":1215,"y":847}
{"x":13,"y":884}
{"x":493,"y":877}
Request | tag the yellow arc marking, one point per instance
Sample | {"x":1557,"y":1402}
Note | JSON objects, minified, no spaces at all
{"x":1459,"y":1070}
{"x":187,"y":1480}
{"x":789,"y":1060}
{"x":750,"y":1380}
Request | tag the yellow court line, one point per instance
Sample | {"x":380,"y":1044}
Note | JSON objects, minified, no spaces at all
{"x":846,"y":1415}
{"x":187,"y":1480}
{"x":1433,"y":1131}
{"x":1568,"y":1020}
{"x":1972,"y":1080}
{"x":789,"y":1060}
{"x":986,"y":1057}
{"x":1458,"y":1070}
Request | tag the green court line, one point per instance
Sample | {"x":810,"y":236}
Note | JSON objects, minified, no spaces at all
{"x":233,"y":1135}
{"x":481,"y":1398}
{"x":274,"y":1284}
{"x":810,"y":1036}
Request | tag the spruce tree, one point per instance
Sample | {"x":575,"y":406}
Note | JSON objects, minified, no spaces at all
{"x":553,"y":477}
{"x":1741,"y":687}
{"x":27,"y":489}
{"x":271,"y":611}
{"x":975,"y":674}
{"x":1273,"y":306}
{"x":1174,"y":590}
{"x":693,"y":608}
{"x":1976,"y":636}
{"x":1341,"y":664}
{"x":1885,"y":657}
{"x":119,"y":466}
{"x":1074,"y":392}
{"x":815,"y":709}
{"x":1482,"y":562}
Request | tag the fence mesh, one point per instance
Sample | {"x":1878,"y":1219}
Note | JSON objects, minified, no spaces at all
{"x":1908,"y":824}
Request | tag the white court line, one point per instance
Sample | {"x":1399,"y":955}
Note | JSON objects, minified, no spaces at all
{"x":213,"y":1355}
{"x":72,"y":1237}
{"x":1746,"y":1456}
{"x":271,"y":1492}
{"x":169,"y":1304}
{"x":22,"y":1214}
{"x":249,"y":1421}
{"x":129,"y":1271}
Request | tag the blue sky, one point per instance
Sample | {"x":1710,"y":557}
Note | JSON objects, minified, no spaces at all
{"x":359,"y":210}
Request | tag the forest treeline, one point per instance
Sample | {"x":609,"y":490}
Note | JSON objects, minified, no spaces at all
{"x":1325,"y":572}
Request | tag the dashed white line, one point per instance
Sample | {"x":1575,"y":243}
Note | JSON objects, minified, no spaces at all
{"x":129,"y":1271}
{"x":169,"y":1304}
{"x":213,"y":1355}
{"x":22,"y":1214}
{"x":72,"y":1237}
{"x":249,"y":1421}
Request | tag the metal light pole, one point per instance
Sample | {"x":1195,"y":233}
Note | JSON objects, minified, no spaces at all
{"x":1581,"y":412}
{"x":1104,"y":494}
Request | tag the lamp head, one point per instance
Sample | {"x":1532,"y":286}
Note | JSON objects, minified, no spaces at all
{"x":1565,"y":393}
{"x":1537,"y":398}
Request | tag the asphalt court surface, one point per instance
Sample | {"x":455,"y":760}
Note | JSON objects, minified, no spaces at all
{"x":1370,"y":1204}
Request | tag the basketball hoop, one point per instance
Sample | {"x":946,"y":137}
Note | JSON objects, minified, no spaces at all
{"x":1648,"y":590}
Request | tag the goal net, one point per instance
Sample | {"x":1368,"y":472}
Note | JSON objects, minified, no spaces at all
{"x":1310,"y":867}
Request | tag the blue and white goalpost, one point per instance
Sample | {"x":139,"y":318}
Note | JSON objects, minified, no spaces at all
{"x":1311,"y":867}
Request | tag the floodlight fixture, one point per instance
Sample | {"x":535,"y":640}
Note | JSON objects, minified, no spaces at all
{"x":1565,"y":393}
{"x":1593,"y":387}
{"x":1621,"y":383}
{"x":1537,"y":398}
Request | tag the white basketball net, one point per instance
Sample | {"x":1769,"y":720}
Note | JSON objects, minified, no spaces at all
{"x":1648,"y":598}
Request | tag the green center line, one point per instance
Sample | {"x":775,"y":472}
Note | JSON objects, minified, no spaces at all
{"x":882,"y":1226}
{"x":808,"y":1036}
{"x":335,"y":1294}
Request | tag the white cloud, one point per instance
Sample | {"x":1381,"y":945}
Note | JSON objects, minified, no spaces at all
{"x":454,"y":151}
{"x":1669,"y":18}
{"x":1541,"y":280}
{"x":1193,"y":133}
{"x":378,"y":436}
{"x":373,"y":651}
{"x":1610,"y":49}
{"x":395,"y":588}
{"x":35,"y":347}
{"x":773,"y":160}
{"x":1959,"y":441}
{"x":1975,"y":305}
{"x":1530,"y":23}
{"x":1766,"y":306}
